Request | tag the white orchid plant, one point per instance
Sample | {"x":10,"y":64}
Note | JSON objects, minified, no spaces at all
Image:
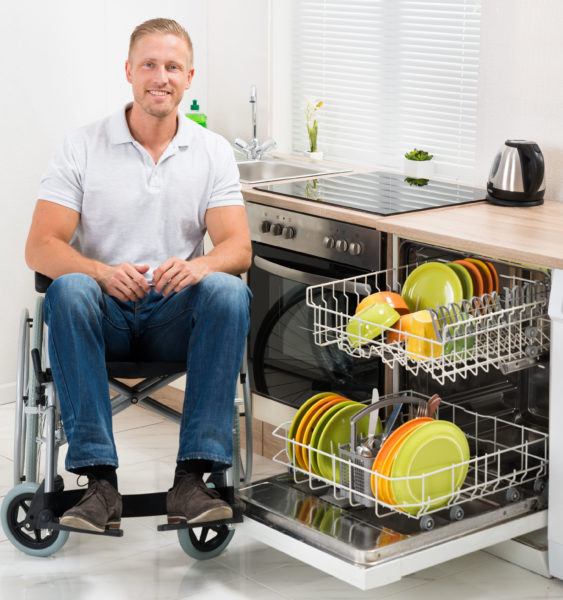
{"x":311,"y":109}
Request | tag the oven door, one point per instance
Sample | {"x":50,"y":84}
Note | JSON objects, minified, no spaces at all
{"x":284,"y":362}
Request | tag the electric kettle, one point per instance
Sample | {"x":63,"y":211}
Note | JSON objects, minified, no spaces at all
{"x":517,"y":176}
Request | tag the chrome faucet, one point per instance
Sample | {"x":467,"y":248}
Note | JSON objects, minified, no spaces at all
{"x":254,"y":151}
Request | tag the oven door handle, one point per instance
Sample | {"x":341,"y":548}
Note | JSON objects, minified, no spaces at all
{"x":309,"y":278}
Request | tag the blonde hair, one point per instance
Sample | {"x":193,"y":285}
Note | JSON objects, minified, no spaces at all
{"x":161,"y":26}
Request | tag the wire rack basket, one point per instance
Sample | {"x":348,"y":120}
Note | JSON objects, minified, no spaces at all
{"x":503,"y":457}
{"x":508,"y":330}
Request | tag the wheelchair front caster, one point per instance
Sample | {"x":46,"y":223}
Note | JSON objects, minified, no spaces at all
{"x":18,"y":528}
{"x":205,"y":542}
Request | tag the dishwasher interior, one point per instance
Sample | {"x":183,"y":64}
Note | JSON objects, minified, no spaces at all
{"x":491,"y":372}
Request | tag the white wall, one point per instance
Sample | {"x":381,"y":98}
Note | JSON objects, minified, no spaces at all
{"x":521,"y":83}
{"x":239,"y":57}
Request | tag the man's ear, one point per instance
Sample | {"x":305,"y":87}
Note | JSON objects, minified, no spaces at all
{"x":128,"y":71}
{"x":190,"y":77}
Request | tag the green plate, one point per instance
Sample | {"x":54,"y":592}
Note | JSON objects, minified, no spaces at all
{"x":337,"y":431}
{"x":315,"y":437}
{"x":432,"y":446}
{"x":464,"y":278}
{"x":430,"y":285}
{"x":297,"y":419}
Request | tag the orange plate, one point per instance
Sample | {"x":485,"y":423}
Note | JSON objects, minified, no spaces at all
{"x":494,"y":275}
{"x":303,"y":425}
{"x":304,"y":452}
{"x":384,"y":459}
{"x":485,"y":274}
{"x":475,"y":274}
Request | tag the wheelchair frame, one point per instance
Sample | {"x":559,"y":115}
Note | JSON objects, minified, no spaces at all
{"x":38,"y":422}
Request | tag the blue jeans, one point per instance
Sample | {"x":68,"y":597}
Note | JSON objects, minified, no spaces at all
{"x":206,"y":323}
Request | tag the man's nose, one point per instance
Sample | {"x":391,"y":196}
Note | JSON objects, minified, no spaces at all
{"x":160,"y":74}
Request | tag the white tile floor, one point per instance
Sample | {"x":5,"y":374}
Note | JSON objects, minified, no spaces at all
{"x":146,"y":564}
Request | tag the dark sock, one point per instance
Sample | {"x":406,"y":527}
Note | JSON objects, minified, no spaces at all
{"x":196,"y":465}
{"x":106,"y":472}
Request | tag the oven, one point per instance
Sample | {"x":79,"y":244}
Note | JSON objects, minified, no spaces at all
{"x":292,"y":251}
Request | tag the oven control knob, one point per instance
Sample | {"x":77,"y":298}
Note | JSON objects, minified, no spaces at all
{"x":288,"y":232}
{"x":355,"y":249}
{"x":341,"y":245}
{"x":276,"y":228}
{"x":265,"y":226}
{"x":328,"y":242}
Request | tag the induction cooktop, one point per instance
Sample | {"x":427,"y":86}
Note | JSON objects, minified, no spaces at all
{"x":378,"y":192}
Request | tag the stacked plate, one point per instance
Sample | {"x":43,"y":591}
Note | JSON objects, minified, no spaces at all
{"x":435,"y":284}
{"x":420,"y":465}
{"x":318,"y":428}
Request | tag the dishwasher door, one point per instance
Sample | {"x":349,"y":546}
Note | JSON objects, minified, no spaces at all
{"x":368,"y":552}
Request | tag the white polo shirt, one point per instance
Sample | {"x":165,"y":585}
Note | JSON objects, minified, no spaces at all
{"x":131,"y":209}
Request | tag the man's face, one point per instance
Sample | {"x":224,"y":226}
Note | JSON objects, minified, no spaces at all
{"x":159,"y":69}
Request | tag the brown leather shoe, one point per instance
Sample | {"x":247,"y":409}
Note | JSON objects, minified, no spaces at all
{"x":99,"y":509}
{"x":192,"y":501}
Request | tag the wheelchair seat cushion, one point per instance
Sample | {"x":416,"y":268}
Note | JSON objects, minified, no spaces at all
{"x":136,"y":370}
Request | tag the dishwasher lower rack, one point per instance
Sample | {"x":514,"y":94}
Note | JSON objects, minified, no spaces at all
{"x":505,"y":458}
{"x":507,"y":331}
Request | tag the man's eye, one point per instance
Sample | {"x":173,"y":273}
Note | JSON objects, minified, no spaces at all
{"x":173,"y":67}
{"x":148,"y":64}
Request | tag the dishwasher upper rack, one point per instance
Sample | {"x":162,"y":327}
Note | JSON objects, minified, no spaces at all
{"x":504,"y":456}
{"x":506,"y":331}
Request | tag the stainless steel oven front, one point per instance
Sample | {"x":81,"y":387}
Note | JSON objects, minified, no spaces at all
{"x":290,"y":252}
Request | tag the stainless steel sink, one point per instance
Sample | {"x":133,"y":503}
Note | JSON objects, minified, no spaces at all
{"x":259,"y":171}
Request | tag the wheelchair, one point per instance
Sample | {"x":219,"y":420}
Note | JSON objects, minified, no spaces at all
{"x":31,"y":510}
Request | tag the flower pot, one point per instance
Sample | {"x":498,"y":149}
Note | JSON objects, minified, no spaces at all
{"x":418,"y":169}
{"x":313,"y":155}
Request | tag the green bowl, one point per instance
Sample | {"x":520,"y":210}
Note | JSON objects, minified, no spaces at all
{"x":369,"y":322}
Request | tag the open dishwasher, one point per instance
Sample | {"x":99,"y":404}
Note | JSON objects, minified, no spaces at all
{"x":490,"y":368}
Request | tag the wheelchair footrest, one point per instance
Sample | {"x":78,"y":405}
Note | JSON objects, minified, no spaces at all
{"x":236,"y":518}
{"x":108,"y":531}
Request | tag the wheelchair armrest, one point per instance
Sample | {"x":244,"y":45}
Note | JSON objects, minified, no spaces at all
{"x":42,"y":282}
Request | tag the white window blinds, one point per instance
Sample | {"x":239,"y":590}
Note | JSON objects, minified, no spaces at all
{"x":393,"y":75}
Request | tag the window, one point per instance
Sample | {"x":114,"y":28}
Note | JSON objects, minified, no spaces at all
{"x":393,"y":75}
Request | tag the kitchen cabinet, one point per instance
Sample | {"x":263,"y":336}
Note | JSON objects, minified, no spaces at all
{"x":478,"y":229}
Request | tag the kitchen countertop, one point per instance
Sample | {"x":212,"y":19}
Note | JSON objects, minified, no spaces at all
{"x":530,"y":235}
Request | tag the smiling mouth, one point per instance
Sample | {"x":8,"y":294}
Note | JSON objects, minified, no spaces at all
{"x":158,"y":93}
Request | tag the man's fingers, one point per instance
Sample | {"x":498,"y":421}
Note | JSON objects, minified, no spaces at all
{"x":134,"y":280}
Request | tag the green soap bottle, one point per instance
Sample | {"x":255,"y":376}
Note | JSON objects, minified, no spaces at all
{"x":197,"y":116}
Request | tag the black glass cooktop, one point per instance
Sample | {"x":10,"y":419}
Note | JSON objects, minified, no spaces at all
{"x":378,"y":192}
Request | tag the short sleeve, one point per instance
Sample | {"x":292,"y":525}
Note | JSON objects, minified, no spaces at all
{"x":226,"y":185}
{"x":62,"y":183}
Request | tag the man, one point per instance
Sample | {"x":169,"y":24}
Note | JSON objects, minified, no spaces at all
{"x":119,"y":227}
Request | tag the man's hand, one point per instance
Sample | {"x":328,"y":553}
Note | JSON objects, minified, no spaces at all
{"x":125,"y":281}
{"x":175,"y":274}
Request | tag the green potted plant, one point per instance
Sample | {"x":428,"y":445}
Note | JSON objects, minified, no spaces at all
{"x":311,"y":110}
{"x":418,"y":164}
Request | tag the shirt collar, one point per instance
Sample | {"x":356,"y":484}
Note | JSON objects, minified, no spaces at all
{"x":120,"y":134}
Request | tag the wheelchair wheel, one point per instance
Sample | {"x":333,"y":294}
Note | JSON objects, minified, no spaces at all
{"x":203,"y":543}
{"x":35,"y":542}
